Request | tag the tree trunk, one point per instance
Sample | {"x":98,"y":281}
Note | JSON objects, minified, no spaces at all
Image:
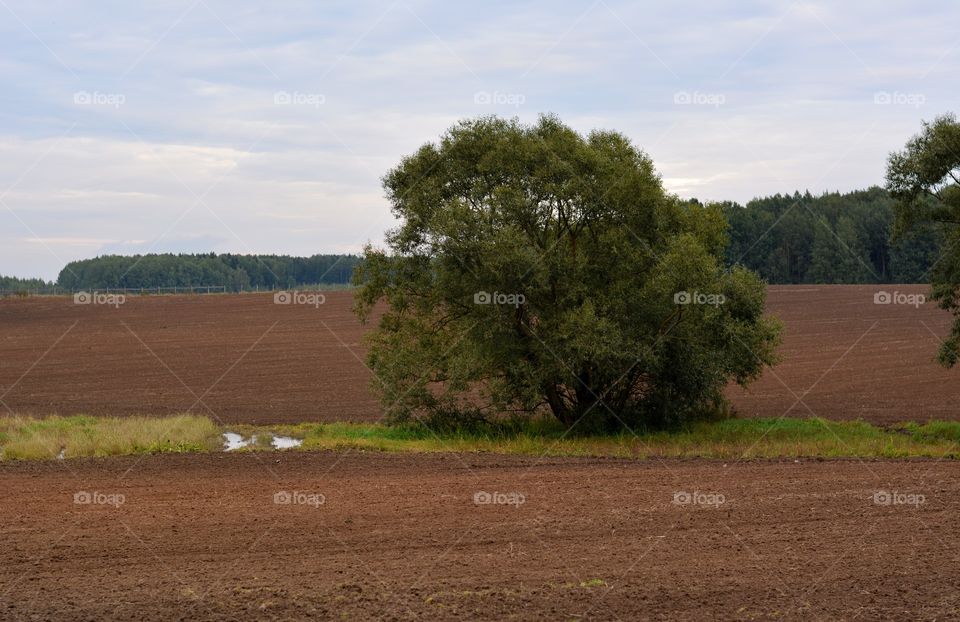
{"x":557,"y":406}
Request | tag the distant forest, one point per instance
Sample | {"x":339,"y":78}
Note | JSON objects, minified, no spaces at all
{"x":799,"y":238}
{"x":235,"y":272}
{"x":832,"y":238}
{"x":11,"y":283}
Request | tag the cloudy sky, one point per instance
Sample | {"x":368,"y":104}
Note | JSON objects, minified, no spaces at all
{"x":231,"y":126}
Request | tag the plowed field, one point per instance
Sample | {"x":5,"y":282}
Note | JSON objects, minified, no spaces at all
{"x":242,"y":358}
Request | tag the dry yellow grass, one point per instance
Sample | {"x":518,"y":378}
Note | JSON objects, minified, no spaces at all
{"x":30,"y":439}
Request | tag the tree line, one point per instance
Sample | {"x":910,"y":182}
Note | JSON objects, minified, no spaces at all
{"x":14,"y":284}
{"x":798,"y":238}
{"x":235,"y":272}
{"x":831,"y":238}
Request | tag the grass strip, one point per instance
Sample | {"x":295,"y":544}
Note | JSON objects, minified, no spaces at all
{"x":23,"y":438}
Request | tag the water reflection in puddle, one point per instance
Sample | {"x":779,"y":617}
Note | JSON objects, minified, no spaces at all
{"x":232,"y":440}
{"x":285,"y":442}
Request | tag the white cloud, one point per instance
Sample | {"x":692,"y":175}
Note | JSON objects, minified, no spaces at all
{"x":199,"y":115}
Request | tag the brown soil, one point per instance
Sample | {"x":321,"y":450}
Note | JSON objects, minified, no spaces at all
{"x":245,"y":359}
{"x":239,"y":358}
{"x":399,"y":537}
{"x":845,"y":357}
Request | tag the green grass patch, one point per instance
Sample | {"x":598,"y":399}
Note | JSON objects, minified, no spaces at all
{"x":934,"y":430}
{"x":733,"y":439}
{"x":727,"y":439}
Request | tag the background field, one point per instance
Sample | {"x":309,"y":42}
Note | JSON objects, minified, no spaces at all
{"x":244,"y":359}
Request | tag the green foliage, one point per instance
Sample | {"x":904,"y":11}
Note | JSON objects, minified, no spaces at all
{"x":838,"y":255}
{"x":22,"y":286}
{"x":934,"y":430}
{"x":235,"y":272}
{"x":832,"y":238}
{"x":575,"y":254}
{"x":924,"y":178}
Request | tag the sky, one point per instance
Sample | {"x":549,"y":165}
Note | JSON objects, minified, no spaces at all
{"x":231,"y":126}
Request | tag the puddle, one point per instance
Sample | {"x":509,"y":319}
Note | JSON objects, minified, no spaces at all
{"x":285,"y":442}
{"x":232,"y":440}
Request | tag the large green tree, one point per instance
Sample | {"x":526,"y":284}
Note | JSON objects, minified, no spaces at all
{"x":535,"y":269}
{"x":924,"y":178}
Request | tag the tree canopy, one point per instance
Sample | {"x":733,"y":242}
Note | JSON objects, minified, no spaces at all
{"x":924,"y":178}
{"x":538,"y":270}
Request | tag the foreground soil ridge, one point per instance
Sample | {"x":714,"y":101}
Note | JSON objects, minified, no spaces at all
{"x":350,"y":535}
